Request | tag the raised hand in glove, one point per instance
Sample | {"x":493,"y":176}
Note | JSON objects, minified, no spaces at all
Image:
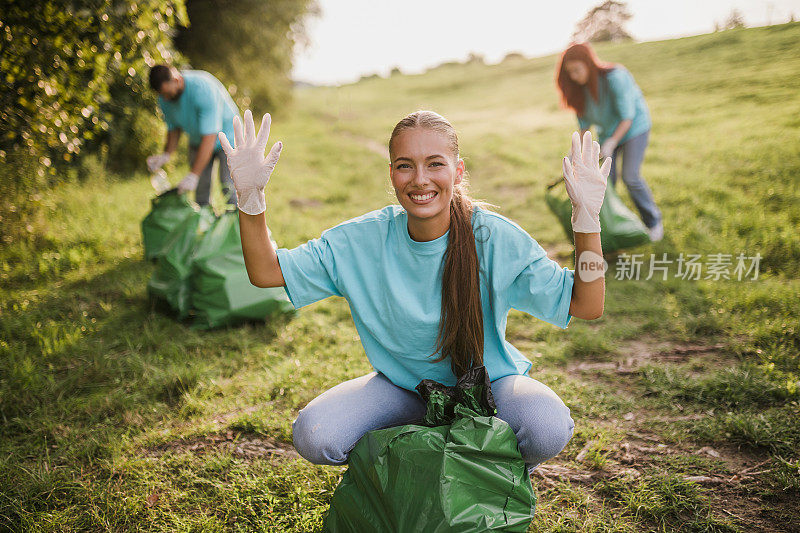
{"x":586,"y":182}
{"x":250,"y":170}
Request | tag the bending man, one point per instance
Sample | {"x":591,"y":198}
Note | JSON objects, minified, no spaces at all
{"x":196,"y":102}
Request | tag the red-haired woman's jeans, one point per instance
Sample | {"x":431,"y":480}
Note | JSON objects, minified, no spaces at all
{"x":328,"y":428}
{"x":632,"y":154}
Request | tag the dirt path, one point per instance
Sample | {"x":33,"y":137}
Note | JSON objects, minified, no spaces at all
{"x":732,"y":480}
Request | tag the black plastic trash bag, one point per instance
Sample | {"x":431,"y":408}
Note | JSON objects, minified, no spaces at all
{"x":167,"y":211}
{"x":459,"y":469}
{"x":620,"y":227}
{"x":221,"y":290}
{"x":170,"y":281}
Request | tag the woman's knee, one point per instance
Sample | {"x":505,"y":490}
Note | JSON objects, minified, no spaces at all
{"x":546,"y":431}
{"x":316,"y":441}
{"x":540,"y":419}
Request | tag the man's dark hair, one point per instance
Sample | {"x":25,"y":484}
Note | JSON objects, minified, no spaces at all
{"x":158,"y":75}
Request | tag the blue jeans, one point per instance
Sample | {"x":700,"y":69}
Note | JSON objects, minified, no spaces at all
{"x":328,"y":428}
{"x":632,"y":152}
{"x":202,"y":194}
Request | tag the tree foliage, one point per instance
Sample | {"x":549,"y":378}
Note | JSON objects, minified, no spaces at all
{"x":69,"y":70}
{"x":605,"y":22}
{"x":61,"y":62}
{"x":248,"y":44}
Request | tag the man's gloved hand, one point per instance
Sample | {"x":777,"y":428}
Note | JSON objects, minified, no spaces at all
{"x":586,"y":183}
{"x":155,"y":162}
{"x":608,"y":147}
{"x":189,"y":183}
{"x":250,"y":170}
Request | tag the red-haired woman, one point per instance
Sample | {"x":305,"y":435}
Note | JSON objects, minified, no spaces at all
{"x":605,"y":95}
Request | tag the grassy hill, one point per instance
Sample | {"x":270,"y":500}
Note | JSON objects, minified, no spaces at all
{"x":685,"y":393}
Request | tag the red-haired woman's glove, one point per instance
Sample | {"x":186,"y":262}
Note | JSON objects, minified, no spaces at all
{"x":608,"y":147}
{"x":586,"y":182}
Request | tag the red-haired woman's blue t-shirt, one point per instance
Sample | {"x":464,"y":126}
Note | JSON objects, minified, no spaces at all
{"x":618,"y":98}
{"x":393,"y":285}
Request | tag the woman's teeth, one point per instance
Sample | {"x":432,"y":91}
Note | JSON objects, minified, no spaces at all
{"x":422,"y":198}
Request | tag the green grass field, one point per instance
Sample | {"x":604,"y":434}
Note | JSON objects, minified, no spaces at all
{"x":685,"y":394}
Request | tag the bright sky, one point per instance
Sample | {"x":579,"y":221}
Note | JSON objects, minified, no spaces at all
{"x":355,"y":37}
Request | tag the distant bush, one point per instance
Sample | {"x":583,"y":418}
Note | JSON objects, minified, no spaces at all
{"x":472,"y":58}
{"x":475,"y":58}
{"x":445,"y":65}
{"x":513,"y":56}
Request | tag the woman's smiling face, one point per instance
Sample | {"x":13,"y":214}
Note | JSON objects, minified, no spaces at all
{"x":424,"y":172}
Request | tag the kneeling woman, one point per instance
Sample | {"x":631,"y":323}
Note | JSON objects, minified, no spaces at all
{"x":430,"y":283}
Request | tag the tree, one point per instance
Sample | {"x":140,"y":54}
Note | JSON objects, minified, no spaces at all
{"x":62,"y":63}
{"x":735,"y":20}
{"x":605,"y":22}
{"x":248,"y":44}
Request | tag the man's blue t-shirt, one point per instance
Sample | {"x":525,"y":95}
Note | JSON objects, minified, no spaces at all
{"x":204,"y":107}
{"x":618,"y":98}
{"x":394,"y":287}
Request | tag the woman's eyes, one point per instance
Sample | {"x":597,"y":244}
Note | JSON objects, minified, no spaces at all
{"x":433,"y":164}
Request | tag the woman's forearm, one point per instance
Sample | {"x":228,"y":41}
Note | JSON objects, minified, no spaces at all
{"x":260,"y":257}
{"x":589,"y":288}
{"x":622,"y":129}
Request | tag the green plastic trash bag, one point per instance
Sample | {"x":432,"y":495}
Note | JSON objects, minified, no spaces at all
{"x":221,"y":290}
{"x":459,"y":469}
{"x":620,"y":227}
{"x":170,"y":281}
{"x":167,"y":211}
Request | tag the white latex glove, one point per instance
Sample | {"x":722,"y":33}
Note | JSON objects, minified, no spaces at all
{"x":608,"y":147}
{"x":250,"y":170}
{"x":586,"y":182}
{"x":189,"y":183}
{"x":155,"y":162}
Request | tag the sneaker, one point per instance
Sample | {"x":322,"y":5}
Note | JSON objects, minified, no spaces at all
{"x":656,"y":232}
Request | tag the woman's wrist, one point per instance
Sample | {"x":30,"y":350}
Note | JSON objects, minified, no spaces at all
{"x":251,"y":201}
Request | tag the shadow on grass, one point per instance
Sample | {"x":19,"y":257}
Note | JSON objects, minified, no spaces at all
{"x":96,"y":350}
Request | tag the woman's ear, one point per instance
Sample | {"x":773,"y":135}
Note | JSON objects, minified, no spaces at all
{"x":460,"y":169}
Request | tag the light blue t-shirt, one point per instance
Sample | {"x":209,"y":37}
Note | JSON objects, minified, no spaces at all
{"x":394,"y":287}
{"x":618,"y":98}
{"x":204,"y":107}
